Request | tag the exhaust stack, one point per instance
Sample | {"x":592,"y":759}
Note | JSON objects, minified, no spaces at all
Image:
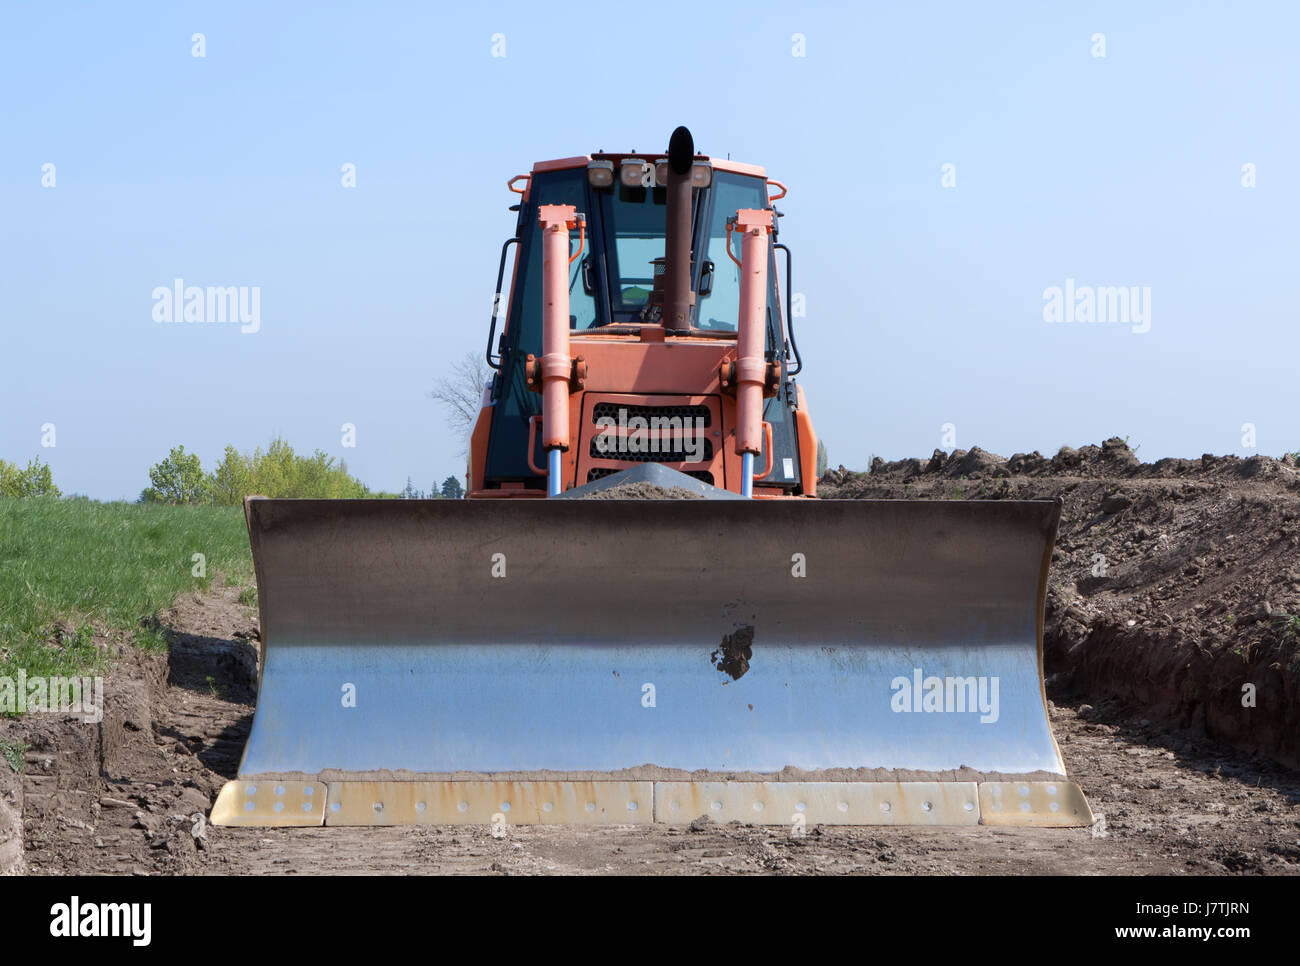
{"x":677,"y":236}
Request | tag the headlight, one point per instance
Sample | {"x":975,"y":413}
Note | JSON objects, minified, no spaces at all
{"x":600,"y":174}
{"x":632,"y":172}
{"x":701,"y":174}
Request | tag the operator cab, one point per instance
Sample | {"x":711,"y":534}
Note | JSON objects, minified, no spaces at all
{"x":624,"y":199}
{"x":616,"y":281}
{"x":630,"y":197}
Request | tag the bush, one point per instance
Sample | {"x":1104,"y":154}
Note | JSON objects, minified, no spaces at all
{"x":35,"y":480}
{"x":276,"y":471}
{"x":279,"y":472}
{"x":179,"y":479}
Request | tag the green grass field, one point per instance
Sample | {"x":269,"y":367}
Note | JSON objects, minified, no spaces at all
{"x":69,"y":568}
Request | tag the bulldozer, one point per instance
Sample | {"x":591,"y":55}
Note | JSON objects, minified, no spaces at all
{"x":641,"y":612}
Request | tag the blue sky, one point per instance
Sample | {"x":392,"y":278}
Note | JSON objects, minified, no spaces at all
{"x":924,"y":302}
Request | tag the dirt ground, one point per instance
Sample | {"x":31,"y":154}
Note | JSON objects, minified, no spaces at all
{"x":1174,"y":584}
{"x":1146,"y":660}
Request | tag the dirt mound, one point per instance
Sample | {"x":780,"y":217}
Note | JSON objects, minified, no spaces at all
{"x":130,"y":793}
{"x":643,"y":491}
{"x":11,"y":821}
{"x":1174,"y":584}
{"x":1112,"y":460}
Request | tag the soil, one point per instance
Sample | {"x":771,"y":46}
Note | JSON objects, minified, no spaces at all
{"x":643,"y":491}
{"x":131,"y":794}
{"x":1174,"y":585}
{"x":1145,"y":662}
{"x":733,"y":654}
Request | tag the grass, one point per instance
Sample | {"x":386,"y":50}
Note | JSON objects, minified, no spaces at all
{"x":71,"y":568}
{"x":150,"y":637}
{"x":12,"y":752}
{"x":1288,"y":627}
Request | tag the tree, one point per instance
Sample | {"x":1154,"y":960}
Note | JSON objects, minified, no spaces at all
{"x":461,"y":394}
{"x":451,"y":489}
{"x":279,"y":472}
{"x":178,"y":479}
{"x":35,"y":480}
{"x":232,"y":479}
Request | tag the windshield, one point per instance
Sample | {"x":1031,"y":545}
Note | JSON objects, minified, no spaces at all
{"x":635,"y":220}
{"x":731,"y":192}
{"x":624,"y":242}
{"x":554,"y":188}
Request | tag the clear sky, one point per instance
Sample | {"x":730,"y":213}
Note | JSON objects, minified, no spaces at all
{"x":925,"y":302}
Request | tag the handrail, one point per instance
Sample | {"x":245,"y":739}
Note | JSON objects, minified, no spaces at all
{"x":495,"y":363}
{"x":789,"y":312}
{"x":767,"y":441}
{"x":533,"y":421}
{"x":731,"y":225}
{"x":582,"y":236}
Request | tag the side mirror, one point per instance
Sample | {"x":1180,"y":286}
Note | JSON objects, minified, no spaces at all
{"x":706,"y":278}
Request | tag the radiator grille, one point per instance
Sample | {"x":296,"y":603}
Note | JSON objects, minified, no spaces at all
{"x":670,"y":456}
{"x":609,"y":410}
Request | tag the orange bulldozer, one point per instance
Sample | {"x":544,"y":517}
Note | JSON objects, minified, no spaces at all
{"x":568,"y":645}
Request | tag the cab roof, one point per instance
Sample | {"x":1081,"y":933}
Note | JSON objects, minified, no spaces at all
{"x":582,"y":160}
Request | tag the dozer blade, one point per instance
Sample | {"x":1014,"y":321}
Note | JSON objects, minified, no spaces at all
{"x":783,"y":661}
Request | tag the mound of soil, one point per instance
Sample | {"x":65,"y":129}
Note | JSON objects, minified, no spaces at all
{"x":130,"y":794}
{"x":11,"y":821}
{"x":643,"y":491}
{"x":1174,"y":585}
